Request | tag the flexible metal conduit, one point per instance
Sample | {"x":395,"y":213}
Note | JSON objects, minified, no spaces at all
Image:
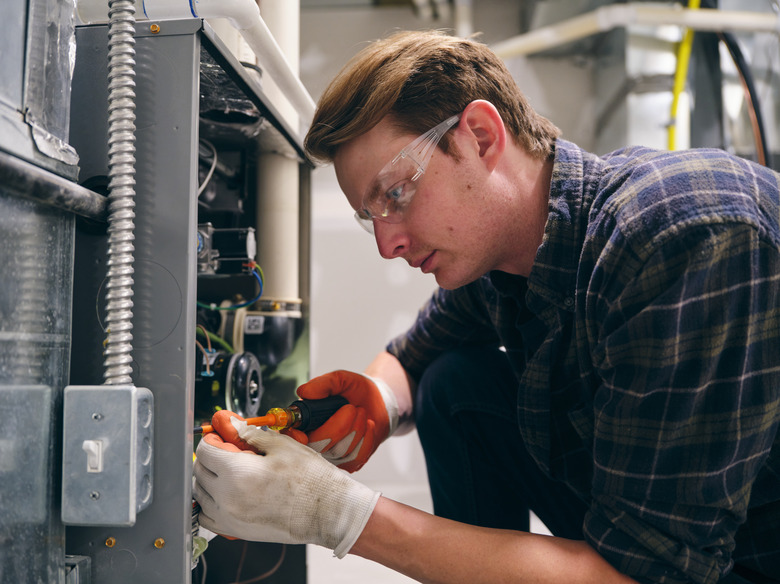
{"x":121,"y":198}
{"x":622,"y":15}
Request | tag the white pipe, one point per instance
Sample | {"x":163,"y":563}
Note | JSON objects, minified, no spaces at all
{"x":278,"y":221}
{"x":234,"y":42}
{"x":278,"y":188}
{"x":244,"y":15}
{"x":272,"y":60}
{"x":424,"y":9}
{"x":283,"y":18}
{"x":623,"y":15}
{"x":464,"y":18}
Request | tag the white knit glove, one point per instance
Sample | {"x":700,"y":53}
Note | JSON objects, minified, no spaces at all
{"x":287,"y":494}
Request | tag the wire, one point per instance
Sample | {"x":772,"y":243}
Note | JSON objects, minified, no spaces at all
{"x":257,"y":272}
{"x":205,"y":569}
{"x":206,"y":334}
{"x":210,"y":173}
{"x":751,"y":97}
{"x":264,"y":575}
{"x":218,"y":340}
{"x":746,"y":78}
{"x":680,"y":75}
{"x":751,"y":109}
{"x":205,"y":358}
{"x":252,"y":66}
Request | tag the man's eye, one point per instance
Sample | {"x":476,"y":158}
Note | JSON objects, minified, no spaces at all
{"x":364,"y":214}
{"x":397,"y":194}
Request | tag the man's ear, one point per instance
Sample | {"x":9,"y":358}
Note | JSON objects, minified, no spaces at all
{"x":482,"y":120}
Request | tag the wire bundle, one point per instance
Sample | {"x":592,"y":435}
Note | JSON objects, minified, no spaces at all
{"x":257,"y":272}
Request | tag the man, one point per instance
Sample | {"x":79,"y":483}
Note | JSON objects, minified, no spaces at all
{"x":604,"y":348}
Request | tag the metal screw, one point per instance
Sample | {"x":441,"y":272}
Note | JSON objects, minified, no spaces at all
{"x":97,"y":416}
{"x":155,"y":28}
{"x":94,"y":495}
{"x":110,"y":542}
{"x":159,"y":543}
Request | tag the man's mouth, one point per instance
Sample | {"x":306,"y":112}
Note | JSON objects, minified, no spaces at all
{"x":426,"y":265}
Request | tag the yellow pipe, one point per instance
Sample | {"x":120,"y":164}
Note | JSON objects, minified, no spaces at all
{"x":680,"y":76}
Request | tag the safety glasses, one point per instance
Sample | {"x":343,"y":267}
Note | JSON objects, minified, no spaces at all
{"x":395,"y":185}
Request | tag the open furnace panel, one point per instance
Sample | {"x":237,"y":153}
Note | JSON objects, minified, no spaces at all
{"x":206,"y":336}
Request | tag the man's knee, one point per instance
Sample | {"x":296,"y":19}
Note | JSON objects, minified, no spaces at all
{"x":462,"y":380}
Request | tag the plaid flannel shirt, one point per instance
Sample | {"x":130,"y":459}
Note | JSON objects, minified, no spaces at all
{"x":646,"y":343}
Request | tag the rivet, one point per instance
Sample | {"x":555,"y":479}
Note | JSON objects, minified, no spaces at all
{"x":159,"y":543}
{"x":155,"y":28}
{"x":94,"y":495}
{"x":110,"y":542}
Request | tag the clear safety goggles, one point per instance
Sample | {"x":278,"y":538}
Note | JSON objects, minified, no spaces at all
{"x":396,"y":183}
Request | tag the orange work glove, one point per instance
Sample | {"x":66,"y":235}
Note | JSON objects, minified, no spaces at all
{"x":356,"y":430}
{"x":225,"y":435}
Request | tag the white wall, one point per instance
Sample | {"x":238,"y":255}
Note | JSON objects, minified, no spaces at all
{"x":359,"y":302}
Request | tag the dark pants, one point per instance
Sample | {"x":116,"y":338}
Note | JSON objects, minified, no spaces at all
{"x":478,"y":468}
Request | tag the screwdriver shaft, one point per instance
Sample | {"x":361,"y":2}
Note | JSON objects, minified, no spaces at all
{"x":268,"y":420}
{"x":305,"y":415}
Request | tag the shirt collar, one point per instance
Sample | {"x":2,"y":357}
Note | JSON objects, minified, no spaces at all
{"x":553,"y":276}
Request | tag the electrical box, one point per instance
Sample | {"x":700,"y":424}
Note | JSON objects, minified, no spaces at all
{"x":107,"y":454}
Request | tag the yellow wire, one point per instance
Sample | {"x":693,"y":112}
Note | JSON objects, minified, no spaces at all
{"x":680,"y":75}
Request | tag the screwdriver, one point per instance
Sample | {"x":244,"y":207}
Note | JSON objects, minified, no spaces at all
{"x":302,"y":414}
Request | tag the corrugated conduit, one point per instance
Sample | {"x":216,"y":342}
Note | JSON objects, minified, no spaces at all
{"x":121,"y":198}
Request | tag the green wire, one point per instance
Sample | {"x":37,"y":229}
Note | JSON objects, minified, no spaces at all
{"x":217,"y":339}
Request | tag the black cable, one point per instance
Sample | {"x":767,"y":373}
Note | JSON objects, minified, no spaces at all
{"x":732,"y":45}
{"x":739,"y":61}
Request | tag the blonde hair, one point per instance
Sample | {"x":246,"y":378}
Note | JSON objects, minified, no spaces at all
{"x":419,"y":79}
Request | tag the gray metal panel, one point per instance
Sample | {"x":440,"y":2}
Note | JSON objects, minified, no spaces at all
{"x":12,"y":47}
{"x":165,"y":278}
{"x":24,"y":463}
{"x":36,"y":259}
{"x":35,"y":61}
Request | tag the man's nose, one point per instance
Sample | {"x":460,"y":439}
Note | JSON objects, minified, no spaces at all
{"x":391,"y":239}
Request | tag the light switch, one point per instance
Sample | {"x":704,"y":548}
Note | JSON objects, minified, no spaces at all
{"x":94,"y":450}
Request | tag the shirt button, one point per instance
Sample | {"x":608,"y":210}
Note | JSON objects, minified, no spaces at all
{"x":568,"y":301}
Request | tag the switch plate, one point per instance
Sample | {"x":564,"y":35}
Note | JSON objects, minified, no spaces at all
{"x":107,"y":454}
